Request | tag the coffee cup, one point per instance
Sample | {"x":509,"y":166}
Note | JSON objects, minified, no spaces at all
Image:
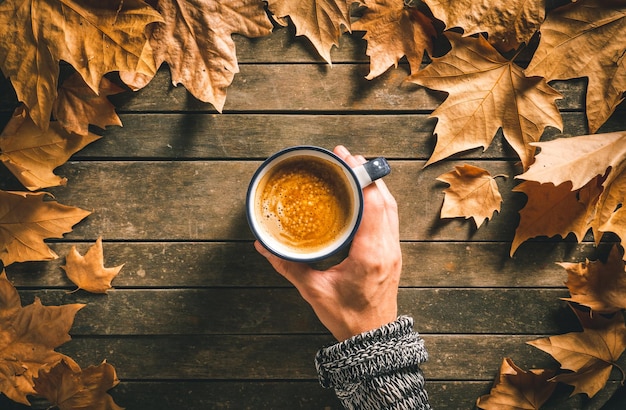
{"x":305,"y":203}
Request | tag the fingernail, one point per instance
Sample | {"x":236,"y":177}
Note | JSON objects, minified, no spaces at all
{"x":342,"y":151}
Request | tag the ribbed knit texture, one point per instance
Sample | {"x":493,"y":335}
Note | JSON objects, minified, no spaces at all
{"x":378,"y":369}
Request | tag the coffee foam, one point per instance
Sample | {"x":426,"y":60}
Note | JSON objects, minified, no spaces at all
{"x":305,"y":203}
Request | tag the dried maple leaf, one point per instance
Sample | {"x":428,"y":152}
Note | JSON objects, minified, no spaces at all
{"x":584,"y":39}
{"x":617,"y":225}
{"x":582,"y":160}
{"x":28,"y":337}
{"x":515,"y":388}
{"x":26,"y":220}
{"x":77,"y":105}
{"x":394,"y":30}
{"x":577,"y":159}
{"x":32,"y":154}
{"x":555,"y":210}
{"x":590,"y":354}
{"x":69,"y":388}
{"x":321,"y":21}
{"x":88,"y":272}
{"x":599,"y":286}
{"x":195,"y":40}
{"x":473,"y":193}
{"x":486,"y":93}
{"x":610,"y":215}
{"x":509,"y":24}
{"x":95,"y":37}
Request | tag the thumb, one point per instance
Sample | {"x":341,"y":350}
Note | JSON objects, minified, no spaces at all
{"x":294,"y":272}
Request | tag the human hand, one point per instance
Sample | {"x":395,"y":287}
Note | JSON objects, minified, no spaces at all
{"x":361,"y":292}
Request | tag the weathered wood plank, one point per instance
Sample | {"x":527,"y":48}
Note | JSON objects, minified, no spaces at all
{"x":205,"y":136}
{"x":144,"y":200}
{"x":307,"y":87}
{"x":290,"y":357}
{"x":201,"y":395}
{"x":194,"y":135}
{"x":237,"y":264}
{"x":282,"y":310}
{"x":299,"y":88}
{"x":221,"y":136}
{"x":292,"y":88}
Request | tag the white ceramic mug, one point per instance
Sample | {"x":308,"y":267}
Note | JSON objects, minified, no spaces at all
{"x":353,"y":181}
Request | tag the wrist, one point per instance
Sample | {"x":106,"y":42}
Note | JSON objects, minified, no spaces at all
{"x":362,"y":323}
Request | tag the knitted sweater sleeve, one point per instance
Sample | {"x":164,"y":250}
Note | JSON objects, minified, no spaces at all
{"x":378,"y":369}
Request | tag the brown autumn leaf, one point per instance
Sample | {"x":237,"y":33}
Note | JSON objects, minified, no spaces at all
{"x":617,"y":225}
{"x":507,"y":23}
{"x":599,"y":286}
{"x":77,"y":105}
{"x":88,"y":271}
{"x":590,"y":354}
{"x":516,"y":389}
{"x":486,"y":93}
{"x":94,"y":36}
{"x":69,"y":388}
{"x":195,"y":40}
{"x":579,"y":161}
{"x":473,"y":193}
{"x":555,"y":210}
{"x":584,"y":39}
{"x":394,"y":30}
{"x":32,"y":154}
{"x":26,"y":219}
{"x":320,"y":21}
{"x":28,"y":337}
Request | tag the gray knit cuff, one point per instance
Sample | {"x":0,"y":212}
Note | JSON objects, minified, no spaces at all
{"x":386,"y":350}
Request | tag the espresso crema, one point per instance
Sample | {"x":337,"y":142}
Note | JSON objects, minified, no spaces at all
{"x":304,"y":202}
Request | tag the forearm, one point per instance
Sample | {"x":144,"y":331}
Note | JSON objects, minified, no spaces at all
{"x":377,"y":369}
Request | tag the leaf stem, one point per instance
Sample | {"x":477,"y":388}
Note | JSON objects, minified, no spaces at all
{"x":621,"y":371}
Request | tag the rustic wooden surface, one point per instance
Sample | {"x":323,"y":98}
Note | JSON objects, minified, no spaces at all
{"x":198,"y":320}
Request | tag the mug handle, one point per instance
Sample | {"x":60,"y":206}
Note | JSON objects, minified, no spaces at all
{"x":371,"y":171}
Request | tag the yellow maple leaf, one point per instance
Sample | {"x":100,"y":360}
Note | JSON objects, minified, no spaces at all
{"x":599,"y":286}
{"x":95,"y":37}
{"x":69,"y":388}
{"x":610,"y":213}
{"x":26,"y":220}
{"x":509,"y":23}
{"x":555,"y":210}
{"x":77,"y":105}
{"x":473,"y":193}
{"x":28,"y":337}
{"x":320,"y":21}
{"x":516,"y":389}
{"x":32,"y":154}
{"x":394,"y":30}
{"x":195,"y":40}
{"x":88,"y":271}
{"x":590,"y":354}
{"x":585,"y":39}
{"x":486,"y":92}
{"x":579,"y":161}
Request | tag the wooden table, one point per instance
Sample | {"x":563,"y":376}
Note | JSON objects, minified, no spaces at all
{"x":198,"y":320}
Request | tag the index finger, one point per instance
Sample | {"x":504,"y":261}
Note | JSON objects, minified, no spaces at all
{"x":379,"y":184}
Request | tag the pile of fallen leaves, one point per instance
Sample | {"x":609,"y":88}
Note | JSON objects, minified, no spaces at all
{"x":598,"y":297}
{"x":575,"y":185}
